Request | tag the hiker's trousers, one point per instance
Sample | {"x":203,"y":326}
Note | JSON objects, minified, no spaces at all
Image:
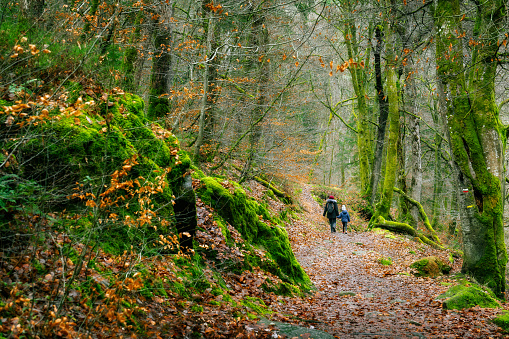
{"x":332,"y":222}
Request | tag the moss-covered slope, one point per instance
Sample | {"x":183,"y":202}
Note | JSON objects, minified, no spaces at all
{"x":111,"y":167}
{"x":255,"y":224}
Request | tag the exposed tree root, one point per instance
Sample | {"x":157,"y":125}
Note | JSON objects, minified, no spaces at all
{"x":422,"y":213}
{"x":400,"y":227}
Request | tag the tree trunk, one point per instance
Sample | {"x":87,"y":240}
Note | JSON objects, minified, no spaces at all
{"x":158,"y":106}
{"x":382,"y":118}
{"x":205,"y":143}
{"x":415,"y":187}
{"x":475,"y":135}
{"x":422,"y":214}
{"x":399,"y":227}
{"x":404,"y":205}
{"x":260,"y":40}
{"x":185,"y":211}
{"x":391,"y":169}
{"x":359,"y":82}
{"x":437,"y":169}
{"x":204,"y":105}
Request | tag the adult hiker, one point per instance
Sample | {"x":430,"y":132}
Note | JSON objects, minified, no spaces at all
{"x":331,"y":209}
{"x":345,"y":218}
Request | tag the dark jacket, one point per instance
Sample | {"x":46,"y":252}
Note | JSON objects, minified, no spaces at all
{"x":345,"y":217}
{"x":334,"y":213}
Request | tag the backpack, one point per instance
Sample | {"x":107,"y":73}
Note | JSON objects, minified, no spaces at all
{"x":330,"y":207}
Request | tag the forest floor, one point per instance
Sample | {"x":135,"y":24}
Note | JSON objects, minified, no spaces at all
{"x":358,"y":297}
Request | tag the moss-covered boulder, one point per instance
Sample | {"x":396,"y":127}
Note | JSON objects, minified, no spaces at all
{"x":430,"y":267}
{"x":86,"y":149}
{"x":255,"y":224}
{"x":467,"y":295}
{"x":502,"y":321}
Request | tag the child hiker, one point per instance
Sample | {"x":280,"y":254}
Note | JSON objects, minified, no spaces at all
{"x":331,"y":209}
{"x":345,"y":218}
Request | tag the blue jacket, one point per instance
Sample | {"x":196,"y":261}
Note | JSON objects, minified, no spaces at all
{"x":344,"y":216}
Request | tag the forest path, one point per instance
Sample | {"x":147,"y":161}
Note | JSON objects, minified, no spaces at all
{"x":358,"y":297}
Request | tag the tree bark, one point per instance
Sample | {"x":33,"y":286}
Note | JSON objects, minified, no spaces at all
{"x":437,"y":168}
{"x":260,"y":40}
{"x":364,"y":137}
{"x":415,"y":187}
{"x":382,"y":118}
{"x":475,"y":134}
{"x":204,"y":104}
{"x":162,"y":36}
{"x":384,"y":205}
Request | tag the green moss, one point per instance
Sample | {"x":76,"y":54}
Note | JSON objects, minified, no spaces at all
{"x":197,"y":173}
{"x":385,"y":261}
{"x":74,"y":90}
{"x":502,"y":320}
{"x":430,"y":267}
{"x":197,"y":308}
{"x":462,"y":296}
{"x":244,"y":214}
{"x":88,"y":150}
{"x":256,"y":305}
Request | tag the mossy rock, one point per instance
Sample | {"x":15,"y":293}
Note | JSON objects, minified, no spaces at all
{"x":466,"y":295}
{"x":256,"y":226}
{"x":430,"y":267}
{"x":502,"y":321}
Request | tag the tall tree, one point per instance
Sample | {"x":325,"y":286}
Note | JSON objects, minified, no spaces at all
{"x":476,"y":135}
{"x":383,"y":112}
{"x":383,"y":206}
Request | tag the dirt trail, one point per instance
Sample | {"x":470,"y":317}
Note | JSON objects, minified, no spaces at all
{"x":360,"y":298}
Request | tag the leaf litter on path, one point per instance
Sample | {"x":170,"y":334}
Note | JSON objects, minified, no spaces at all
{"x":358,"y":297}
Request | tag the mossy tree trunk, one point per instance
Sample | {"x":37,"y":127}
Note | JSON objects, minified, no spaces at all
{"x":422,"y":214}
{"x":391,"y":169}
{"x":437,"y":169}
{"x":162,"y":35}
{"x":415,"y":185}
{"x":382,"y":117}
{"x":477,"y":138}
{"x":359,"y":83}
{"x":399,"y":227}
